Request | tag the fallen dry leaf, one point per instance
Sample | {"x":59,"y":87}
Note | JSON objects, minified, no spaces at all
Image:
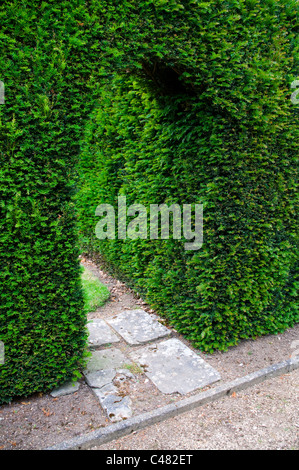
{"x":47,"y":413}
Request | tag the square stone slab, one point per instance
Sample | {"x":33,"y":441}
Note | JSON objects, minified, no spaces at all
{"x":107,"y":359}
{"x":173,"y":367}
{"x":137,"y":327}
{"x":100,"y":333}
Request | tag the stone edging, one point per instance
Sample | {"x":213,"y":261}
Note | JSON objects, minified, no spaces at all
{"x":117,"y":430}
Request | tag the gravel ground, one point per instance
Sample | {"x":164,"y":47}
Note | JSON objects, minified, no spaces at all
{"x":265,"y":417}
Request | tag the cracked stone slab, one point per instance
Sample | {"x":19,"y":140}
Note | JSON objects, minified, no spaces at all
{"x":111,"y":358}
{"x":104,"y":392}
{"x":137,"y":327}
{"x":117,"y":407}
{"x":100,"y":333}
{"x":173,"y":367}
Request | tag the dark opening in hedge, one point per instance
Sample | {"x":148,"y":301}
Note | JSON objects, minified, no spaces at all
{"x":166,"y":80}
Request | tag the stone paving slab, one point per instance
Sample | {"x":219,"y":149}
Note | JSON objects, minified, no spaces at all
{"x":137,"y":327}
{"x":100,"y":378}
{"x":100,"y":333}
{"x":173,"y":367}
{"x":111,"y":358}
{"x":66,"y":389}
{"x":117,"y":407}
{"x":100,"y":372}
{"x":105,"y":388}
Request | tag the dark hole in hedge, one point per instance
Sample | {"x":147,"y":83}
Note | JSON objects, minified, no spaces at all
{"x":166,"y":80}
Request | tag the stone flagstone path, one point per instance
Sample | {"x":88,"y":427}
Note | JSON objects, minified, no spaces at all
{"x":166,"y":361}
{"x":137,"y":327}
{"x":100,"y":333}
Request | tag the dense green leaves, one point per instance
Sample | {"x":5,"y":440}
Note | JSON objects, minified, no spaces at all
{"x":199,"y":111}
{"x":164,"y":102}
{"x":49,"y":53}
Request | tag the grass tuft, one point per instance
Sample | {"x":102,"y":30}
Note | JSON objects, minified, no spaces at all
{"x":95,"y":293}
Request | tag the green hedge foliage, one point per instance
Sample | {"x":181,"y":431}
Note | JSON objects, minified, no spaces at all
{"x":192,"y":106}
{"x":198,"y":110}
{"x":49,"y":54}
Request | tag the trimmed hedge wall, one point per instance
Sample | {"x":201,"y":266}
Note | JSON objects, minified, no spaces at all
{"x":198,"y":110}
{"x":49,"y":53}
{"x":192,"y":105}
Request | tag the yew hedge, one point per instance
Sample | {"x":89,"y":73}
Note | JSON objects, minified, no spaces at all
{"x":197,"y":110}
